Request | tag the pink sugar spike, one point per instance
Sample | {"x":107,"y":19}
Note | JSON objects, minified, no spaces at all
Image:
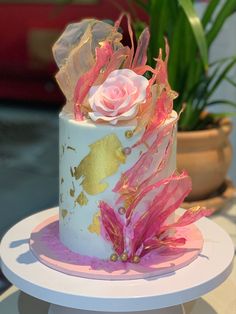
{"x":85,"y":82}
{"x":140,"y":57}
{"x":116,"y":61}
{"x":144,"y":68}
{"x":128,"y":62}
{"x":138,"y":177}
{"x":155,"y":243}
{"x":190,"y":216}
{"x":143,"y":192}
{"x":170,"y":193}
{"x":113,"y":227}
{"x":171,"y":198}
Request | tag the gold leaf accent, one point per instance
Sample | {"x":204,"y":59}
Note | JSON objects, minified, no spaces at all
{"x":63,"y":149}
{"x":71,"y":148}
{"x":95,"y":226}
{"x":103,"y":161}
{"x":71,"y":172}
{"x":81,"y":199}
{"x":61,"y":198}
{"x":72,"y":191}
{"x":64,"y":213}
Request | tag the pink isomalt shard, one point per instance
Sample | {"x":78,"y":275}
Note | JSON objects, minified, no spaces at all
{"x":103,"y":54}
{"x":113,"y":227}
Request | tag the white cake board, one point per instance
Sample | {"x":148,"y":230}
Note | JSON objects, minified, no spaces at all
{"x":67,"y":293}
{"x":57,"y":309}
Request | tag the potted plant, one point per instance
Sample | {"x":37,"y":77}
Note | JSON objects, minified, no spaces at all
{"x":204,"y":149}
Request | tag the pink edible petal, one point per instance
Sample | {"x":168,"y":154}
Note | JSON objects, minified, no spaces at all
{"x":153,"y":244}
{"x":128,"y":62}
{"x":140,"y":57}
{"x":85,"y":82}
{"x":190,"y":216}
{"x":148,"y":168}
{"x":168,"y":196}
{"x":113,"y":227}
{"x":117,"y":60}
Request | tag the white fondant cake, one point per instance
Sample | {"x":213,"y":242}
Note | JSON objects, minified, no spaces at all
{"x":93,"y":158}
{"x":119,"y":188}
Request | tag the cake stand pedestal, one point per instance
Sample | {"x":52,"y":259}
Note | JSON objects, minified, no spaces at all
{"x":75,"y":295}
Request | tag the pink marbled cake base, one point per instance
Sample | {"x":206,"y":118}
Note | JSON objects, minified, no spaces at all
{"x":48,"y":249}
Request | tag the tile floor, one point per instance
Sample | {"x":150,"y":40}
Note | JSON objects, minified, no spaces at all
{"x":28,"y":163}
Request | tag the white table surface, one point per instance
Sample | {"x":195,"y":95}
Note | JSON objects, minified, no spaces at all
{"x":207,"y":303}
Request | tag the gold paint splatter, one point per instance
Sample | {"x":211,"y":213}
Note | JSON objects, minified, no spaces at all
{"x":102,"y":162}
{"x":81,"y":199}
{"x":72,"y":191}
{"x":61,"y":198}
{"x":64,"y":213}
{"x":71,"y":172}
{"x":129,"y":133}
{"x":95,"y":225}
{"x":62,"y":180}
{"x":71,"y":148}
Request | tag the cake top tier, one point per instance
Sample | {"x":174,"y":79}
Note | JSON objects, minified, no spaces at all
{"x":107,"y":82}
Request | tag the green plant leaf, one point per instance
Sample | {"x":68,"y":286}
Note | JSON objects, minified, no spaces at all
{"x":209,"y":12}
{"x":222,"y":102}
{"x":176,"y":65}
{"x":228,"y":79}
{"x":200,"y":93}
{"x":197,"y":29}
{"x":190,"y":119}
{"x":222,"y":60}
{"x":143,"y":5}
{"x":227,"y":9}
{"x":221,"y":76}
{"x":138,"y":27}
{"x":158,"y":19}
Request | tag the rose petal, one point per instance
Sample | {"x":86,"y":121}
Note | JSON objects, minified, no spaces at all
{"x":113,"y":120}
{"x":114,"y":99}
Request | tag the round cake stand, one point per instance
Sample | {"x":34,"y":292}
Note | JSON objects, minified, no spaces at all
{"x":75,"y":295}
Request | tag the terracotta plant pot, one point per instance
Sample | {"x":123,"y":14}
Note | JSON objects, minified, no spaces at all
{"x":206,"y":155}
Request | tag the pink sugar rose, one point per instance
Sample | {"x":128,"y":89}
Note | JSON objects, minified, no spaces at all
{"x":119,"y":97}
